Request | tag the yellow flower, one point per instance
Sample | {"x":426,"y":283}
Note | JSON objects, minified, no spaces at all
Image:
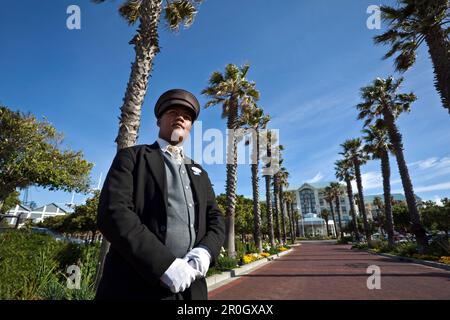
{"x":445,"y":259}
{"x":248,"y":258}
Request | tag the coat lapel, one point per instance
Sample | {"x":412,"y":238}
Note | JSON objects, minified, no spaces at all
{"x":155,"y":161}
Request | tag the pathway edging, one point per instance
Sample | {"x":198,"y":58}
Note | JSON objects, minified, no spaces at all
{"x":217,"y":280}
{"x":418,"y":261}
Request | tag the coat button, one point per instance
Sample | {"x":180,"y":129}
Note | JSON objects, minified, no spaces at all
{"x":162,"y":228}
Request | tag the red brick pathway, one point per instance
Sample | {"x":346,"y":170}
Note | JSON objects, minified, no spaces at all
{"x":323,"y":270}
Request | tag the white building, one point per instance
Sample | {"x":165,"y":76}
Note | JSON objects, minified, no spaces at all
{"x":23,"y":213}
{"x":309,"y":199}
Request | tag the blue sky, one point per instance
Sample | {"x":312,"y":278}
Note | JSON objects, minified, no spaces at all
{"x":308,"y":58}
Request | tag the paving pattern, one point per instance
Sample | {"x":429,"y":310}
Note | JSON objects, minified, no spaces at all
{"x":323,"y":270}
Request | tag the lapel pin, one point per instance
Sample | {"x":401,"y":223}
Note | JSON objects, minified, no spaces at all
{"x":196,"y":171}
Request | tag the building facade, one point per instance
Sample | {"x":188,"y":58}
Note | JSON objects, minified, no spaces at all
{"x":20,"y":213}
{"x":310,"y":199}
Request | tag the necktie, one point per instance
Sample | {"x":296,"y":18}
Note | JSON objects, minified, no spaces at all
{"x":175,"y":152}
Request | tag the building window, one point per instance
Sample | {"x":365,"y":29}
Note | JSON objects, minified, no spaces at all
{"x":307,"y":201}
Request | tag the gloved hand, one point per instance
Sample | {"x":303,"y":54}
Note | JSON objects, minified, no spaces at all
{"x":179,"y":276}
{"x":199,"y":258}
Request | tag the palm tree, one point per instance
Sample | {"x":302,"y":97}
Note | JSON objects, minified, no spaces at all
{"x":289,"y":199}
{"x":354,"y":154}
{"x":344,"y":172}
{"x":329,"y":197}
{"x":379,"y":146}
{"x":276,"y":194}
{"x":325,"y":214}
{"x":282,"y":180}
{"x":414,"y":22}
{"x":269,"y":140}
{"x":234,"y":92}
{"x":146,"y":46}
{"x":337,"y":192}
{"x":380,"y":219}
{"x":381,"y":100}
{"x":293,"y":218}
{"x":254,"y":120}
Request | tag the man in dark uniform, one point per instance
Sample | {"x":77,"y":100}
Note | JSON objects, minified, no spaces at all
{"x":158,"y":210}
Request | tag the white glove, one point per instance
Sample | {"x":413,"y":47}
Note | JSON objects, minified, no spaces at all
{"x":179,"y":276}
{"x":199,"y":258}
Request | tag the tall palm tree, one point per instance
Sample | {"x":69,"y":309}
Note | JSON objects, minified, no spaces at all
{"x":282,"y":180}
{"x":381,"y":100}
{"x":269,"y":141}
{"x":379,"y":146}
{"x":146,"y":47}
{"x":234,"y":92}
{"x":337,"y":192}
{"x":255,"y":120}
{"x":325,"y":215}
{"x":412,"y":23}
{"x":344,"y":172}
{"x":289,"y":199}
{"x":329,"y":198}
{"x":293,"y":219}
{"x":276,"y":195}
{"x":353,"y":152}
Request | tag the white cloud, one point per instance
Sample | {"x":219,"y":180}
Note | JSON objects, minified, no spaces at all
{"x":370,"y":180}
{"x":433,"y":187}
{"x":430,"y":168}
{"x":318,"y":177}
{"x":427,"y":163}
{"x":433,"y":162}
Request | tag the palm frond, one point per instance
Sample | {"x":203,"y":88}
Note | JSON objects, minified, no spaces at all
{"x":179,"y":12}
{"x":130,"y":11}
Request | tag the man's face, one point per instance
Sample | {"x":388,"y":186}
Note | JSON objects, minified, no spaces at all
{"x":175,"y":124}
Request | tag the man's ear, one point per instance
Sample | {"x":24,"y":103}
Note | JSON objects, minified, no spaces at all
{"x":158,"y":122}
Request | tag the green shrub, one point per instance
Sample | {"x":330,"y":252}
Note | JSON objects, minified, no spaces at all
{"x":361,"y":246}
{"x":438,"y":247}
{"x":406,"y":249}
{"x":226,"y":263}
{"x":33,"y":266}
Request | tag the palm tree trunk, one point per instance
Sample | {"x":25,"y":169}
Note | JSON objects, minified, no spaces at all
{"x":282,"y":212}
{"x":328,"y":228}
{"x":269,"y":212}
{"x":338,"y":211}
{"x":277,"y":208}
{"x":256,"y":208}
{"x":439,"y":49}
{"x":291,"y":215}
{"x":232,"y":125}
{"x":396,"y":138}
{"x":362,"y":206}
{"x":294,"y":221}
{"x":352,"y":208}
{"x":288,"y":212}
{"x":386,"y":172}
{"x":334,"y":220}
{"x":146,"y":47}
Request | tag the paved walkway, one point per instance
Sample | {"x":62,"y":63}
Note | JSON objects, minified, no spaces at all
{"x":323,"y":270}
